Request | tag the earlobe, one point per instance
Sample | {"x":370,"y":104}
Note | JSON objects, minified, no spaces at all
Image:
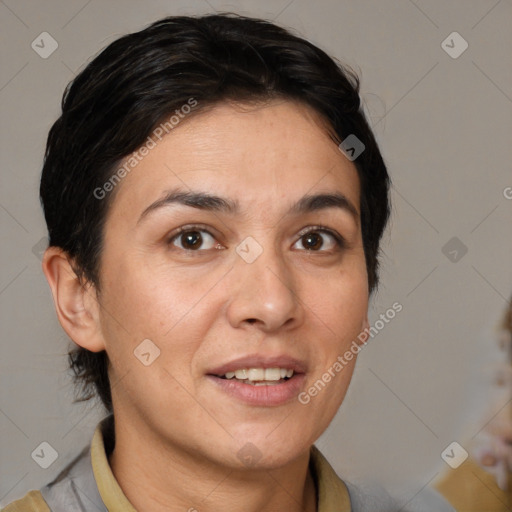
{"x":77,"y":310}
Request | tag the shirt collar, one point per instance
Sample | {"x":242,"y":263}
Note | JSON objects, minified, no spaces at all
{"x":111,"y":493}
{"x":332,"y":493}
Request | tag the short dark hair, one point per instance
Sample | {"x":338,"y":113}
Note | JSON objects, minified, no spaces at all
{"x":111,"y":108}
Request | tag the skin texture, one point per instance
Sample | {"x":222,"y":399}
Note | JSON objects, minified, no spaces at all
{"x":177,"y":433}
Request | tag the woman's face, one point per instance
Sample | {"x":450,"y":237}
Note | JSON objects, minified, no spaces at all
{"x":255,"y":262}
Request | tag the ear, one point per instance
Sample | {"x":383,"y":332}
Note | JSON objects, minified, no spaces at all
{"x":76,"y":304}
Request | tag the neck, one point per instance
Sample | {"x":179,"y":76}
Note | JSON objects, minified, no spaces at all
{"x":157,"y":479}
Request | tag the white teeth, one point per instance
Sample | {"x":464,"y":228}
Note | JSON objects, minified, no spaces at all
{"x":272,"y":374}
{"x":256,"y":374}
{"x":241,"y":374}
{"x":250,"y":375}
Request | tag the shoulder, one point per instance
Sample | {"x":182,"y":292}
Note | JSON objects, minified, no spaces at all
{"x":361,"y":496}
{"x":374,"y":497}
{"x":33,"y":501}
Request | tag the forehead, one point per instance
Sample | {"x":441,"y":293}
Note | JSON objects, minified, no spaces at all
{"x":256,"y":154}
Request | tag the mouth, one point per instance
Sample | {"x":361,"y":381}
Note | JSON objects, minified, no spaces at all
{"x":259,"y":380}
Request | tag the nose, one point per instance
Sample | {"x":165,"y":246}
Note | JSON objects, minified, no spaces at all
{"x":264,"y":294}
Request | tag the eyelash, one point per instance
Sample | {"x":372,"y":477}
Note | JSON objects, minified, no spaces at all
{"x":339,"y":240}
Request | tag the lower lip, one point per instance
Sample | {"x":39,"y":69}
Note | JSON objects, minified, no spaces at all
{"x":265,"y":396}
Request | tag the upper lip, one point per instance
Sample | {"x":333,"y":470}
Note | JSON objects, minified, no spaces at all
{"x":260,"y":361}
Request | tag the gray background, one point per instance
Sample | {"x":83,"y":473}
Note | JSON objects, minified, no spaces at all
{"x":444,"y":126}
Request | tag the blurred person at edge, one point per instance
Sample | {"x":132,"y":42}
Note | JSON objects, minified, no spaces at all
{"x":484,"y":481}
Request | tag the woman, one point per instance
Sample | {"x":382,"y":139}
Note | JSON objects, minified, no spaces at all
{"x":215,"y":201}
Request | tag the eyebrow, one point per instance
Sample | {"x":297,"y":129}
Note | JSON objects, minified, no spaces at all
{"x":206,"y":201}
{"x":201,"y":200}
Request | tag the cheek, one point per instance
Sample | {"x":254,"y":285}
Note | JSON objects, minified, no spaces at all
{"x":152,"y":298}
{"x":166,"y":306}
{"x":149,"y":312}
{"x":340,"y":300}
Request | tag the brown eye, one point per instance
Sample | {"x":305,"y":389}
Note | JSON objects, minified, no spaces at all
{"x":193,"y":240}
{"x":312,"y":241}
{"x":319,"y":241}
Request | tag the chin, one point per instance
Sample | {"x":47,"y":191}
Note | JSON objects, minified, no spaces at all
{"x":268,"y":450}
